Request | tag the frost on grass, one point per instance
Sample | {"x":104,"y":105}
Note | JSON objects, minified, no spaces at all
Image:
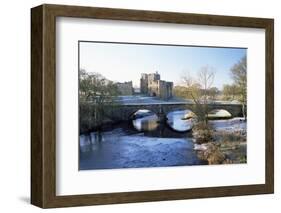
{"x":222,"y":141}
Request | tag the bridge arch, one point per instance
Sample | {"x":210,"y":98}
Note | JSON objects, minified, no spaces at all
{"x":189,"y":112}
{"x":144,"y":120}
{"x":180,"y":119}
{"x":219,"y":114}
{"x":141,"y":112}
{"x":124,"y":111}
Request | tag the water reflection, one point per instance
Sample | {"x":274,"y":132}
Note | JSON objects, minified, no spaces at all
{"x":122,"y":147}
{"x":90,"y":142}
{"x":145,"y":120}
{"x":180,"y":120}
{"x":219,"y":114}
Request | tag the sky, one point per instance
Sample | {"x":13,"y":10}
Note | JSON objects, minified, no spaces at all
{"x":122,"y":62}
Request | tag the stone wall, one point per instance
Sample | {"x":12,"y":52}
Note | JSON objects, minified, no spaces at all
{"x":152,"y":85}
{"x":125,"y":88}
{"x":124,"y":112}
{"x":153,"y":88}
{"x":144,"y":84}
{"x":165,"y":89}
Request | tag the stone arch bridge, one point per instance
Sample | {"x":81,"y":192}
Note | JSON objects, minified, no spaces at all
{"x":124,"y":112}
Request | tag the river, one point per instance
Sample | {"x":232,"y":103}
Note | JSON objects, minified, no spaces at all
{"x":144,"y":142}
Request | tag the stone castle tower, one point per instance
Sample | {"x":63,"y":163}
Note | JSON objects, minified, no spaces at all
{"x":152,"y":85}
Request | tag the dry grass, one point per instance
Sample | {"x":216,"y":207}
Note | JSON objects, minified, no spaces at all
{"x":212,"y":154}
{"x":202,"y":133}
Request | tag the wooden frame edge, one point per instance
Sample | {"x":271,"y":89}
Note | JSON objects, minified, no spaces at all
{"x":36,"y":106}
{"x":269,"y":105}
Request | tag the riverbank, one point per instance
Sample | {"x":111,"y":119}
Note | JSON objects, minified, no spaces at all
{"x":228,"y":144}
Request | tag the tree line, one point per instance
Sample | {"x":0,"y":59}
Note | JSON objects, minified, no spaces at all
{"x":96,"y":99}
{"x":201,"y":90}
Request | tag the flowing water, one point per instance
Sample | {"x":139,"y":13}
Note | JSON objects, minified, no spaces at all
{"x":143,"y":142}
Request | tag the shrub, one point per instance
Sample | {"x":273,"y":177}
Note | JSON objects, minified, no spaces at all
{"x":212,"y":154}
{"x":224,"y":136}
{"x":202,"y":132}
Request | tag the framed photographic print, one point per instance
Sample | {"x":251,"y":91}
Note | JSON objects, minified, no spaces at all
{"x":136,"y":106}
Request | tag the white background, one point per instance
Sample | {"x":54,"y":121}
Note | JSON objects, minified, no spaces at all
{"x":15,"y":105}
{"x":70,"y":181}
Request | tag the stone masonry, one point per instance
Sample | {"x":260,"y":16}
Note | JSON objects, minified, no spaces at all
{"x":125,"y":88}
{"x":152,"y":85}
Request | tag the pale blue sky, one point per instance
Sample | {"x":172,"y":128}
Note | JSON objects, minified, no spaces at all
{"x":124,"y":62}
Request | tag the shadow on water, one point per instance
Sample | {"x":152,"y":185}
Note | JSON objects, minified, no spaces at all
{"x":174,"y":126}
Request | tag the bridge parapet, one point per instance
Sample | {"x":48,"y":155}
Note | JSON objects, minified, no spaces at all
{"x":124,"y":112}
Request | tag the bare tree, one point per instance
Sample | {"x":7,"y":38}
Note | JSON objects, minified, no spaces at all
{"x":199,"y":90}
{"x":230,"y":92}
{"x":188,"y":80}
{"x":97,"y":93}
{"x":213,"y":93}
{"x":192,"y":89}
{"x":206,"y":77}
{"x":239,"y":76}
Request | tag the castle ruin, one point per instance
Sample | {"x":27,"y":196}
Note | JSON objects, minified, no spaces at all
{"x":125,"y":88}
{"x":152,"y":85}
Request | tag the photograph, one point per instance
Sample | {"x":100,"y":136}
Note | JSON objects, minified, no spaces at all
{"x":145,"y":105}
